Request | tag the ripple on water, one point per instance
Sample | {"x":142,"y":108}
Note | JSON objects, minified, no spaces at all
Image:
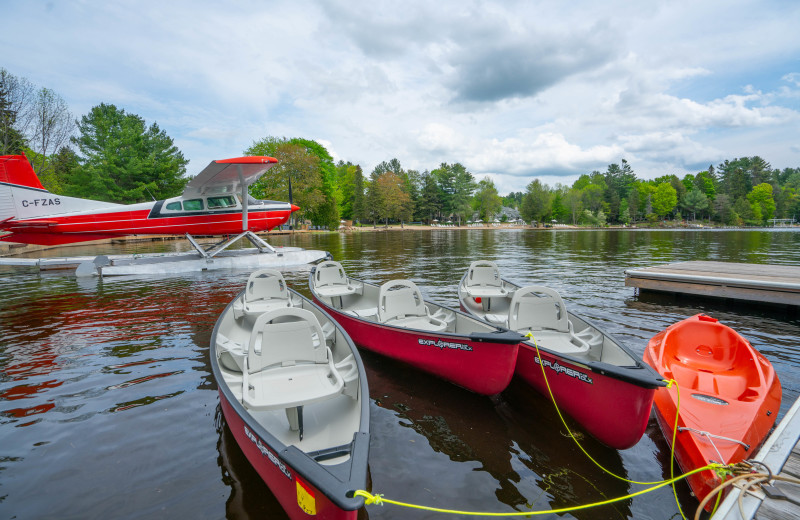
{"x":107,"y":398}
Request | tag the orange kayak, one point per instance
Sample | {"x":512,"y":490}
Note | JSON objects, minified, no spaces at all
{"x":730,"y":396}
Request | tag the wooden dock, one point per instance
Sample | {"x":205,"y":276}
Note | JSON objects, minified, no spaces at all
{"x":778,"y":284}
{"x":781,"y":453}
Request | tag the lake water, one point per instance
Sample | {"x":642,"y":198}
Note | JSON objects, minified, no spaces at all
{"x":108,"y":408}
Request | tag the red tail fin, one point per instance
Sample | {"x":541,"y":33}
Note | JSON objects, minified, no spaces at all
{"x":16,"y":169}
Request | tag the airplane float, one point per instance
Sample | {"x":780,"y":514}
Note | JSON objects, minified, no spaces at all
{"x":215,"y":202}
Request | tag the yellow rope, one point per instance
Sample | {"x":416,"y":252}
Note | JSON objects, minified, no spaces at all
{"x":564,"y":422}
{"x":380,"y":500}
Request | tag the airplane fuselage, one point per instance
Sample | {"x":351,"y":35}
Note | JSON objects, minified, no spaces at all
{"x":33,"y":215}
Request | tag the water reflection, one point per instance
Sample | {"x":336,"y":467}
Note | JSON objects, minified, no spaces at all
{"x":105,"y":385}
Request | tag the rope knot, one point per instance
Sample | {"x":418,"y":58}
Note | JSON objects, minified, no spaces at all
{"x":370,"y":498}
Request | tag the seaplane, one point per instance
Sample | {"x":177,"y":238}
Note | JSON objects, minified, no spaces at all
{"x":214,"y":203}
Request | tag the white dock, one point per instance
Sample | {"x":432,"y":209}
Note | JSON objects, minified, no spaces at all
{"x":778,"y":284}
{"x":781,"y":453}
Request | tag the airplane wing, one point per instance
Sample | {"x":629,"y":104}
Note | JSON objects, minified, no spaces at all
{"x":228,"y":175}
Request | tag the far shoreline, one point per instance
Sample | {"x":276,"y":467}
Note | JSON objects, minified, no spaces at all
{"x":14,"y":248}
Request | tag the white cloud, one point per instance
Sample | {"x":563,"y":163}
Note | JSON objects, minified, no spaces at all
{"x":510,"y":90}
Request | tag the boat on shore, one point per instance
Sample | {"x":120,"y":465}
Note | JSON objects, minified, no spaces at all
{"x":294,"y":394}
{"x":593,"y":377}
{"x":394,"y":320}
{"x":730,"y":396}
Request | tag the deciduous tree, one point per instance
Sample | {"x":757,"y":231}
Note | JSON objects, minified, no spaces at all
{"x":486,"y":200}
{"x":296,"y":166}
{"x":665,"y":198}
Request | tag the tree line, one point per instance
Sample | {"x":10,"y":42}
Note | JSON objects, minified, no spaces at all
{"x":112,"y":155}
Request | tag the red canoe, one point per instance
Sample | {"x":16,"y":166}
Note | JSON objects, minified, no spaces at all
{"x":294,"y":394}
{"x":395,"y":321}
{"x":594,"y":378}
{"x":730,"y":396}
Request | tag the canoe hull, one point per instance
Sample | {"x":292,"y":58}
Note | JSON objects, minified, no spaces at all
{"x":710,"y":402}
{"x":583,"y":387}
{"x":312,"y":475}
{"x":281,"y":478}
{"x":586,"y":395}
{"x":483,"y":367}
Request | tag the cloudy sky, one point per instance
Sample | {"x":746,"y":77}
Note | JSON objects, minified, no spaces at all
{"x":512,"y":90}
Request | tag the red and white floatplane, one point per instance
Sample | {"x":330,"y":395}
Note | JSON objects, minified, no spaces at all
{"x":214,"y":203}
{"x":294,"y":394}
{"x":594,"y":378}
{"x":394,"y":320}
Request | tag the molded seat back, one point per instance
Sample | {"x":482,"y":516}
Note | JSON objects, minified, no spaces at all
{"x":537,"y":308}
{"x":329,"y":273}
{"x":483,"y":273}
{"x":400,"y":299}
{"x":286,"y":337}
{"x":265,"y":284}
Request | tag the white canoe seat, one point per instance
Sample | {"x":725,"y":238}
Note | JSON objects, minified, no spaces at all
{"x":265,"y":290}
{"x":483,"y":280}
{"x":497,"y":319}
{"x":592,"y":336}
{"x":231,"y":354}
{"x":289,"y":365}
{"x":368,"y":313}
{"x":330,"y":280}
{"x":348,"y":369}
{"x":400,"y":304}
{"x":541,"y":311}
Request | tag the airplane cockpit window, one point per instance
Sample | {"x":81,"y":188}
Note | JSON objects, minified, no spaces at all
{"x":174,"y":206}
{"x":226,"y":201}
{"x":193,"y":205}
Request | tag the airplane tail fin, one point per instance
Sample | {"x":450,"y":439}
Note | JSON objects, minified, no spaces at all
{"x":16,"y":175}
{"x":17,"y":170}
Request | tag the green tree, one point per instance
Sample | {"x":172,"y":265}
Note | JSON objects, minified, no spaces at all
{"x":695,"y":201}
{"x":705,"y":182}
{"x":296,"y":166}
{"x":513,"y":199}
{"x":345,"y":177}
{"x":624,"y":212}
{"x":359,"y":197}
{"x":744,"y":212}
{"x":665,"y":198}
{"x":456,"y":186}
{"x":724,"y":209}
{"x":560,"y":211}
{"x":393,"y":201}
{"x":762,"y":202}
{"x":487,"y":202}
{"x":573,"y":201}
{"x":593,"y":197}
{"x":123,"y":160}
{"x":327,"y":212}
{"x":429,"y":205}
{"x":619,"y":182}
{"x":464,"y":187}
{"x":537,"y":202}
